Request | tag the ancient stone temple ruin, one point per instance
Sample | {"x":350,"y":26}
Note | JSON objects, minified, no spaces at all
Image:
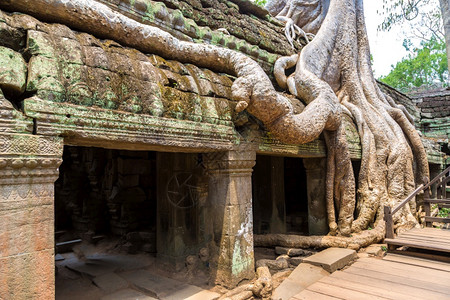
{"x":99,"y":137}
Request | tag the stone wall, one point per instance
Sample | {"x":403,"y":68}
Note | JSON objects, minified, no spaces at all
{"x":435,"y":112}
{"x":61,"y":65}
{"x":430,"y":112}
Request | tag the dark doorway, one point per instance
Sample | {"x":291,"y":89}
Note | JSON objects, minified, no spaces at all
{"x":280,"y":201}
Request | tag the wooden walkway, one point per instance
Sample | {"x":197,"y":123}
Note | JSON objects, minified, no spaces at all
{"x":436,"y":240}
{"x":393,"y":277}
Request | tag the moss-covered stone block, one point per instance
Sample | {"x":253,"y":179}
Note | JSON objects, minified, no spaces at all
{"x":72,"y":73}
{"x":151,"y":99}
{"x":95,"y":57}
{"x":179,"y":105}
{"x":39,"y":68}
{"x":13,"y":71}
{"x":40,"y":43}
{"x":182,"y":83}
{"x":147,"y":72}
{"x":120,"y":63}
{"x":80,"y":93}
{"x":209,"y":111}
{"x":69,"y":50}
{"x":107,"y":88}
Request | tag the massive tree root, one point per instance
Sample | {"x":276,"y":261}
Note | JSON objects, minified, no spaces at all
{"x":333,"y":76}
{"x":339,"y":56}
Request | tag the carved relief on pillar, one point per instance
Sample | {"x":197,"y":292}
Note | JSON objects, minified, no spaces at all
{"x":28,"y":169}
{"x":230,"y":196}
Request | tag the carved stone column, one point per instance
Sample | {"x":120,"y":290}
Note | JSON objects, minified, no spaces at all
{"x":316,"y":171}
{"x":28,"y":170}
{"x":230,"y":196}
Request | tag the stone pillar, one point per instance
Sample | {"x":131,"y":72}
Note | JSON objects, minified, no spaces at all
{"x":28,"y":170}
{"x":316,"y":188}
{"x":230,"y":196}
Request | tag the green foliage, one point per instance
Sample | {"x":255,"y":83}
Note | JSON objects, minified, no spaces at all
{"x":261,"y":3}
{"x":444,"y":212}
{"x":426,"y":65}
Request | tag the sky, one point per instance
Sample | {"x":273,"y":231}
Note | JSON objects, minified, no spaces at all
{"x":386,"y":47}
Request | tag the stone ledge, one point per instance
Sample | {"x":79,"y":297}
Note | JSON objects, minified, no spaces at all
{"x":91,"y":126}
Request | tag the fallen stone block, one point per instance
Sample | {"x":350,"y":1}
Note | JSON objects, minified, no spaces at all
{"x":332,"y":259}
{"x":375,"y":249}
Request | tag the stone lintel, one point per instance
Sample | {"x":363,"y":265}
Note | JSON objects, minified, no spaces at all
{"x":98,"y":127}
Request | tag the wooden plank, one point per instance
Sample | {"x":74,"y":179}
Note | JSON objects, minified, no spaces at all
{"x":432,"y":231}
{"x":436,"y":233}
{"x":426,"y":263}
{"x":389,"y":222}
{"x":441,"y":257}
{"x":425,"y":238}
{"x":437,"y":219}
{"x":400,"y":291}
{"x":413,"y":272}
{"x":405,"y":242}
{"x":381,"y":290}
{"x":425,"y":235}
{"x":342,"y":293}
{"x":310,"y":295}
{"x":443,"y":201}
{"x":434,"y":290}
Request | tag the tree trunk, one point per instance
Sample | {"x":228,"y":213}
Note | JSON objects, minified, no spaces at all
{"x":445,"y":10}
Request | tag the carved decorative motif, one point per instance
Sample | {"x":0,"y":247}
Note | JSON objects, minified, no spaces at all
{"x":24,"y":155}
{"x":231,"y":161}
